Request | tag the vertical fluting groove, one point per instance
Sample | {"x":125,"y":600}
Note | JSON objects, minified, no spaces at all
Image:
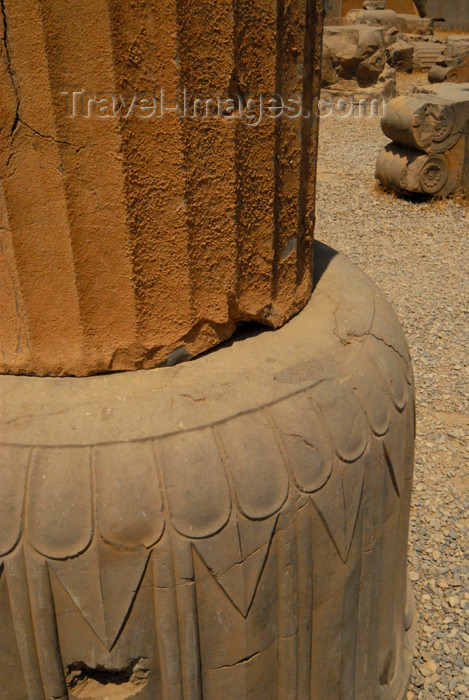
{"x":206,"y":59}
{"x":371,"y":598}
{"x":90,"y":152}
{"x":234,"y":89}
{"x":290,"y":69}
{"x":146,"y":55}
{"x":326,"y":639}
{"x":166,"y":616}
{"x":45,"y":626}
{"x":166,"y":606}
{"x":37,"y":213}
{"x":401,"y":551}
{"x":288,"y":611}
{"x":254,"y":77}
{"x":309,"y":136}
{"x":368,"y":578}
{"x":14,"y":337}
{"x":276,"y":154}
{"x":304,"y":538}
{"x":188,"y":619}
{"x":389,"y":561}
{"x":350,"y":614}
{"x":17,"y":583}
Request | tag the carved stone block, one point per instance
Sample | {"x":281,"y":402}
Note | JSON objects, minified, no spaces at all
{"x":374,"y":4}
{"x":426,"y":53}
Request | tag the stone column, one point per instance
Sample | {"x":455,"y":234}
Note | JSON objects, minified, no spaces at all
{"x":235,"y":527}
{"x":163,"y":233}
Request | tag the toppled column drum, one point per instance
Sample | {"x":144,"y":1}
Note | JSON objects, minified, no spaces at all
{"x":453,"y":66}
{"x":429,"y":153}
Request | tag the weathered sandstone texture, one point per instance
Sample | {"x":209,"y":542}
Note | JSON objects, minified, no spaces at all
{"x":131,"y":242}
{"x":429,"y":153}
{"x":233,"y":528}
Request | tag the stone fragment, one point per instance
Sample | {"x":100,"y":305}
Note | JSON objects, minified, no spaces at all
{"x":453,"y":66}
{"x":426,"y":53}
{"x":400,"y":56}
{"x":354,"y":59}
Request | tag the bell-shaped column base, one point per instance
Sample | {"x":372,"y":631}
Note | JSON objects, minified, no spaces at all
{"x":233,"y":527}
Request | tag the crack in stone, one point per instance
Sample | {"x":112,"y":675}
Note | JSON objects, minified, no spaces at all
{"x":238,"y":663}
{"x":9,"y":66}
{"x":389,"y":345}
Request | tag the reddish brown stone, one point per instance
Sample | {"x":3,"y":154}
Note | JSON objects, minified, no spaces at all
{"x":128,"y":243}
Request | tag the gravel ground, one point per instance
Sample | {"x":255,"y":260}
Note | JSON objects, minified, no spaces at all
{"x":416,"y":252}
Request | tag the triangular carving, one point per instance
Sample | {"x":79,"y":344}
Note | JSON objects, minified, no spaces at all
{"x":338,"y":503}
{"x":80,"y":579}
{"x":394,"y":449}
{"x":121,"y":576}
{"x":236,"y":557}
{"x":329,"y":502}
{"x":352,"y":482}
{"x":391,"y":471}
{"x":103,"y":583}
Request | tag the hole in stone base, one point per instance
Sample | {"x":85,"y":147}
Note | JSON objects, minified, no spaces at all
{"x":99,"y":683}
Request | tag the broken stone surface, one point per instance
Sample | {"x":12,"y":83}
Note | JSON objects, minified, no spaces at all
{"x":429,"y":153}
{"x":354,"y":61}
{"x":162,"y":233}
{"x":453,"y":66}
{"x":220,"y":529}
{"x":400,"y":56}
